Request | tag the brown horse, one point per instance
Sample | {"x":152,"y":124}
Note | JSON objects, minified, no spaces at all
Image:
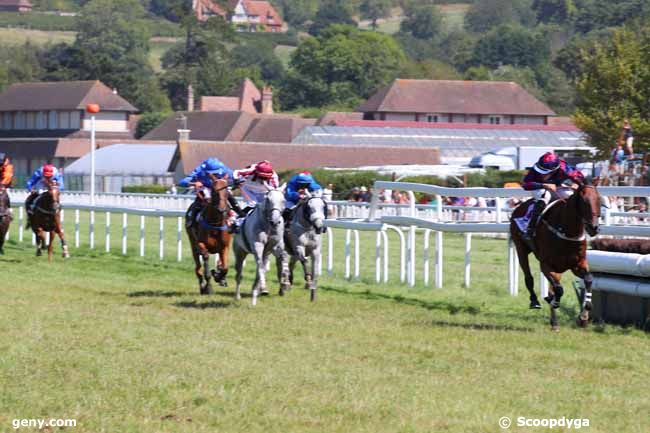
{"x":5,"y":216}
{"x":210,"y":235}
{"x":46,"y":218}
{"x":560,"y":245}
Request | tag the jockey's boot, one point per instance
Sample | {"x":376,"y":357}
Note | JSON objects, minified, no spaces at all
{"x":286,"y":214}
{"x":234,"y":227}
{"x":534,"y":217}
{"x":190,"y":216}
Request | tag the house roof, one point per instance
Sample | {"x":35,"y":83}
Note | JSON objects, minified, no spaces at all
{"x":247,"y":97}
{"x":232,"y":126}
{"x":127,"y":159}
{"x":54,"y":147}
{"x":268,"y":15}
{"x":219,"y":103}
{"x":451,"y":140}
{"x":203,"y":6}
{"x":285,"y":156}
{"x":62,"y":95}
{"x":449,"y":96}
{"x":21,"y":3}
{"x":333,"y":117}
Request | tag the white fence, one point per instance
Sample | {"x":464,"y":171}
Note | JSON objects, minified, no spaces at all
{"x":405,"y":221}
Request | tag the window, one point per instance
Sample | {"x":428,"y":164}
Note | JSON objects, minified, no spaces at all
{"x":52,"y":121}
{"x":495,"y":120}
{"x":30,"y":120}
{"x":7,"y":120}
{"x":64,"y":120}
{"x":19,"y":120}
{"x":433,"y":118}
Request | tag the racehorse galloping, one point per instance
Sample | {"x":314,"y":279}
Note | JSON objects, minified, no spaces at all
{"x":261,"y":234}
{"x":210,"y":236}
{"x":46,"y":218}
{"x":5,"y":216}
{"x":560,"y":245}
{"x":303,"y":239}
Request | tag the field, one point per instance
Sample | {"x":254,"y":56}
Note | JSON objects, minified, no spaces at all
{"x":37,"y":37}
{"x":125,"y":344}
{"x":453,"y":16}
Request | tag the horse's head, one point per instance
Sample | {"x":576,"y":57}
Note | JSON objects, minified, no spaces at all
{"x":219,"y":193}
{"x":54,"y":192}
{"x":589,"y":207}
{"x":315,"y":211}
{"x":274,"y":204}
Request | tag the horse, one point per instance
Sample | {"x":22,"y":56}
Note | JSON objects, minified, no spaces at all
{"x":261,"y":234}
{"x":302,"y":240}
{"x":46,"y":218}
{"x":210,"y":235}
{"x":560,"y":245}
{"x":5,"y":216}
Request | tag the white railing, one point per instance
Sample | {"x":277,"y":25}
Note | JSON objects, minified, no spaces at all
{"x":406,"y":225}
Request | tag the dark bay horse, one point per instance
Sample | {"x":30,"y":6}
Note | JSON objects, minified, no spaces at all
{"x":209,"y":235}
{"x":5,"y":216}
{"x":46,"y":218}
{"x":561,"y":245}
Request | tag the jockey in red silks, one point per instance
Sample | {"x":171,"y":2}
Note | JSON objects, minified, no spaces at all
{"x":544,"y":177}
{"x":254,"y":182}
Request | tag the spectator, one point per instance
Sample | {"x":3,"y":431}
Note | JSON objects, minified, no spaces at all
{"x":627,"y":137}
{"x":364,"y":195}
{"x":354,"y":194}
{"x":328,"y":192}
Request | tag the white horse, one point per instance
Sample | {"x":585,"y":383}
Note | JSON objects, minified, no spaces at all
{"x":260,"y":235}
{"x":303,"y":239}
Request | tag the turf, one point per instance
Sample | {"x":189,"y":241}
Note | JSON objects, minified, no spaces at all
{"x":126,"y":344}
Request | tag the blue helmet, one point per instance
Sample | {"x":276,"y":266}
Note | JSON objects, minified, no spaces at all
{"x":214,"y":166}
{"x":304,"y":179}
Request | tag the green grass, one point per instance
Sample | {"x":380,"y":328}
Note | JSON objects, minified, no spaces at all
{"x":37,"y":37}
{"x":158,"y":47}
{"x":125,"y":344}
{"x":454,"y":15}
{"x":284,"y":53}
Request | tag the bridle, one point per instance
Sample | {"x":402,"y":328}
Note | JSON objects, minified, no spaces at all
{"x":306,"y":211}
{"x":594,"y":215}
{"x":268,"y":209}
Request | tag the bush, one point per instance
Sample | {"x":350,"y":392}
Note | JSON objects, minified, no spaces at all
{"x":146,"y":189}
{"x":288,"y":38}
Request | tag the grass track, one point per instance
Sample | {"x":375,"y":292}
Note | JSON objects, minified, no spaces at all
{"x":126,"y":345}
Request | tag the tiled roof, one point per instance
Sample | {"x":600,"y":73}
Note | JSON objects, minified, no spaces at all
{"x":268,"y":15}
{"x":61,"y":95}
{"x":296,"y":156}
{"x":219,"y":103}
{"x":334,"y":117}
{"x":232,"y":126}
{"x":448,"y":96}
{"x":249,"y":96}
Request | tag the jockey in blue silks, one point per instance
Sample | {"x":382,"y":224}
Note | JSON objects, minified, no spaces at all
{"x":202,"y":182}
{"x":38,"y":182}
{"x":544,"y":177}
{"x":296,"y":188}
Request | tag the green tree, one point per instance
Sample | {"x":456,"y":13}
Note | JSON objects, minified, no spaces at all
{"x":332,"y":12}
{"x":297,"y":12}
{"x":149,"y":121}
{"x":374,"y":10}
{"x":429,"y":70}
{"x":512,"y":45}
{"x":112,"y":47}
{"x":260,"y":55}
{"x":484,"y":15}
{"x":614,"y":85}
{"x":19,"y":63}
{"x":423,"y":22}
{"x":554,"y":11}
{"x":343,"y":64}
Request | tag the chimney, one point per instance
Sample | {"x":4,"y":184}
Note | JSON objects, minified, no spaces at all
{"x":190,"y":98}
{"x":267,"y":100}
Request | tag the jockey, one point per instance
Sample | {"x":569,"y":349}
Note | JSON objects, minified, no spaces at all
{"x":37,"y":182}
{"x":547,"y":174}
{"x":202,"y":182}
{"x":296,"y":188}
{"x":254,"y":182}
{"x":6,"y":171}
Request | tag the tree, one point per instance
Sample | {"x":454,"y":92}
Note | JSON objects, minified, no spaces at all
{"x":429,"y":70}
{"x":297,"y":12}
{"x":423,"y":22}
{"x":484,"y":15}
{"x":614,"y":85}
{"x":375,"y":9}
{"x":342,"y":65}
{"x":112,"y":47}
{"x":554,"y":11}
{"x":512,"y":45}
{"x":331,"y":12}
{"x":149,"y":121}
{"x":19,"y":63}
{"x":260,"y":55}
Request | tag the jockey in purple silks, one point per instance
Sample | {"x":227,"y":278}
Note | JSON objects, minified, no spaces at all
{"x":544,"y":177}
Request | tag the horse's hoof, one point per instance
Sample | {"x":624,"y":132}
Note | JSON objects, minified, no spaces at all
{"x":2,"y":252}
{"x":555,"y":328}
{"x":39,"y":253}
{"x":223,"y":283}
{"x":264,"y":292}
{"x":535,"y":305}
{"x":582,"y":323}
{"x":548,"y":299}
{"x":281,"y":292}
{"x":312,"y":296}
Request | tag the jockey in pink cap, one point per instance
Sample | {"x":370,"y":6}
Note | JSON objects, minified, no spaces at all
{"x":254,"y":182}
{"x":544,"y":177}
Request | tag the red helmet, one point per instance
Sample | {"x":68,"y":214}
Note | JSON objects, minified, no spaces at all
{"x":547,"y":163}
{"x":264,"y":169}
{"x":48,"y":170}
